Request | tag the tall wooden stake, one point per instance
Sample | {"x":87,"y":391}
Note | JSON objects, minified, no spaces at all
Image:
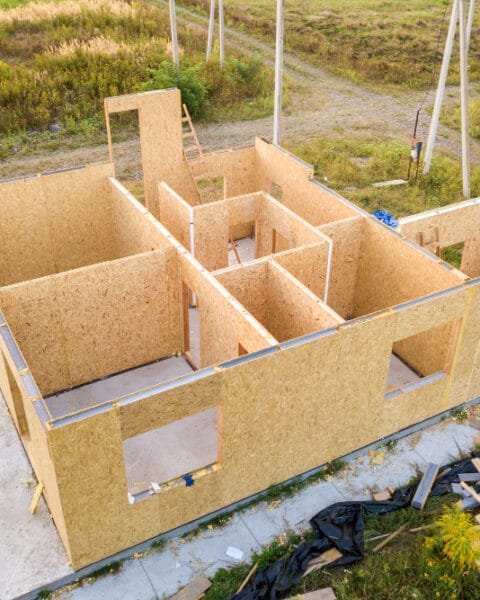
{"x":211,"y":26}
{"x":432,"y":133}
{"x":173,"y":29}
{"x":277,"y":109}
{"x":221,"y":29}
{"x":471,"y":11}
{"x":464,"y":99}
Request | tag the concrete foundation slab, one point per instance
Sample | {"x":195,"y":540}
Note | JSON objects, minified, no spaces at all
{"x":107,"y":389}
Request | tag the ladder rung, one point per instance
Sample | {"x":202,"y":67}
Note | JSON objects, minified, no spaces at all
{"x":185,"y":119}
{"x":201,"y":176}
{"x":207,"y":190}
{"x":188,"y":134}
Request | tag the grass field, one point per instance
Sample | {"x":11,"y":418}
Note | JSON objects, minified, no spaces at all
{"x":369,"y":41}
{"x":59,"y":59}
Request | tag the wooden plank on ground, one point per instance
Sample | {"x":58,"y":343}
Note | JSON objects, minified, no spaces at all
{"x":425,"y":486}
{"x":469,"y":476}
{"x":325,"y":594}
{"x":476,"y":463}
{"x":194,"y":590}
{"x":36,"y":498}
{"x":390,"y":537}
{"x":471,"y":491}
{"x":323,"y":560}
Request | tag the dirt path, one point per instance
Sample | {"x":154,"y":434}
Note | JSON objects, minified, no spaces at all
{"x":322,"y":105}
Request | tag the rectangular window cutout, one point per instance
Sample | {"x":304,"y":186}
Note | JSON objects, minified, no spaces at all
{"x":453,"y":254}
{"x":173,"y":451}
{"x":421,"y":358}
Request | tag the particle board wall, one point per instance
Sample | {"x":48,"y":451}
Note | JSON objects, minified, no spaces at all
{"x":276,"y":224}
{"x":211,"y":223}
{"x":88,"y":323}
{"x":346,"y":236}
{"x":385,"y":268}
{"x":308,"y":264}
{"x":312,"y":202}
{"x":257,"y":410}
{"x":175,"y":214}
{"x":161,"y":141}
{"x":52,"y":223}
{"x":219,"y":342}
{"x":133,"y":233}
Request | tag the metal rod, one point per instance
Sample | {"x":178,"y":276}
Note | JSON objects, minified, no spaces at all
{"x":447,"y":53}
{"x":464,"y":99}
{"x":211,"y":26}
{"x":277,"y":110}
{"x":221,"y":29}
{"x":173,"y":29}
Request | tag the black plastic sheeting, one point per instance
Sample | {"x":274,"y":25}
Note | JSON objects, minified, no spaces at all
{"x":338,"y":526}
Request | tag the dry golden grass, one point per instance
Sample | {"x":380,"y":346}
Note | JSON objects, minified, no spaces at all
{"x":106,"y":46}
{"x":40,"y":11}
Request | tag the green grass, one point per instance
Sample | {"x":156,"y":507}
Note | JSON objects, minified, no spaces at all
{"x":400,"y":570}
{"x":389,"y":42}
{"x":56,"y":68}
{"x":12,"y":3}
{"x":351,"y":166}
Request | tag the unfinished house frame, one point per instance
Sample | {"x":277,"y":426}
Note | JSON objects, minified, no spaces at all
{"x":161,"y":362}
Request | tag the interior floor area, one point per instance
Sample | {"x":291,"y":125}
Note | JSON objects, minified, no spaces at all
{"x":245,"y":249}
{"x":169,"y":452}
{"x":400,"y":374}
{"x":109,"y":388}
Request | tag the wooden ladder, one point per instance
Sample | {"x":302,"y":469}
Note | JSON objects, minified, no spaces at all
{"x":193,"y":153}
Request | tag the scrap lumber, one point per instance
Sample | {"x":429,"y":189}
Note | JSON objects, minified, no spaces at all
{"x":425,"y":486}
{"x":471,"y":491}
{"x":248,"y":577}
{"x":382,"y":496}
{"x":324,"y":594}
{"x":458,"y":489}
{"x":194,"y":590}
{"x":476,"y":463}
{"x":467,"y":503}
{"x":390,"y":538}
{"x":36,"y":498}
{"x":323,"y":560}
{"x":422,"y":528}
{"x":469,"y":476}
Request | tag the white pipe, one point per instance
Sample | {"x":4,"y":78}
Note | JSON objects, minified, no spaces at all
{"x":464,"y":100}
{"x":221,"y":29}
{"x":471,"y":11}
{"x":447,"y":53}
{"x":173,"y":29}
{"x":277,"y":109}
{"x":211,"y":26}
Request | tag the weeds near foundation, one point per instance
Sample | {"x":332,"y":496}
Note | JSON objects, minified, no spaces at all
{"x":42,"y":594}
{"x":390,"y":445}
{"x":158,"y":545}
{"x":459,"y":414}
{"x":113,"y":567}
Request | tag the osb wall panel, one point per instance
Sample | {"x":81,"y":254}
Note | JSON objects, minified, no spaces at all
{"x":346,"y":236}
{"x":211,"y":235}
{"x":248,"y":284}
{"x":133,"y":233}
{"x":270,"y":216}
{"x":308,"y":265}
{"x":313,"y":203}
{"x":257,"y":409}
{"x":390,"y":272}
{"x":291,"y":312}
{"x":456,"y":224}
{"x":218,"y":342}
{"x":237,"y":167}
{"x":34,"y":440}
{"x":88,"y":323}
{"x":174,"y":214}
{"x":470,"y":264}
{"x":52,"y":223}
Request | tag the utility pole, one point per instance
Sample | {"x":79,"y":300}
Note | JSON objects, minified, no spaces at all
{"x":211,"y":25}
{"x":221,"y":28}
{"x":277,"y":108}
{"x":432,"y":133}
{"x":173,"y":29}
{"x":471,"y":11}
{"x":464,"y":99}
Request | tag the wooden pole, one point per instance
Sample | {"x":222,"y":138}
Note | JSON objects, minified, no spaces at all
{"x":277,"y":109}
{"x":211,"y":26}
{"x":432,"y":133}
{"x":173,"y":29}
{"x":221,"y":30}
{"x":464,"y":99}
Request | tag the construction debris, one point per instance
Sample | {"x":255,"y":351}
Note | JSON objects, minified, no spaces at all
{"x":325,"y":594}
{"x":326,"y":558}
{"x":234,"y":553}
{"x":194,"y":590}
{"x":36,"y":498}
{"x":382,"y":496}
{"x":425,"y":486}
{"x":389,"y":538}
